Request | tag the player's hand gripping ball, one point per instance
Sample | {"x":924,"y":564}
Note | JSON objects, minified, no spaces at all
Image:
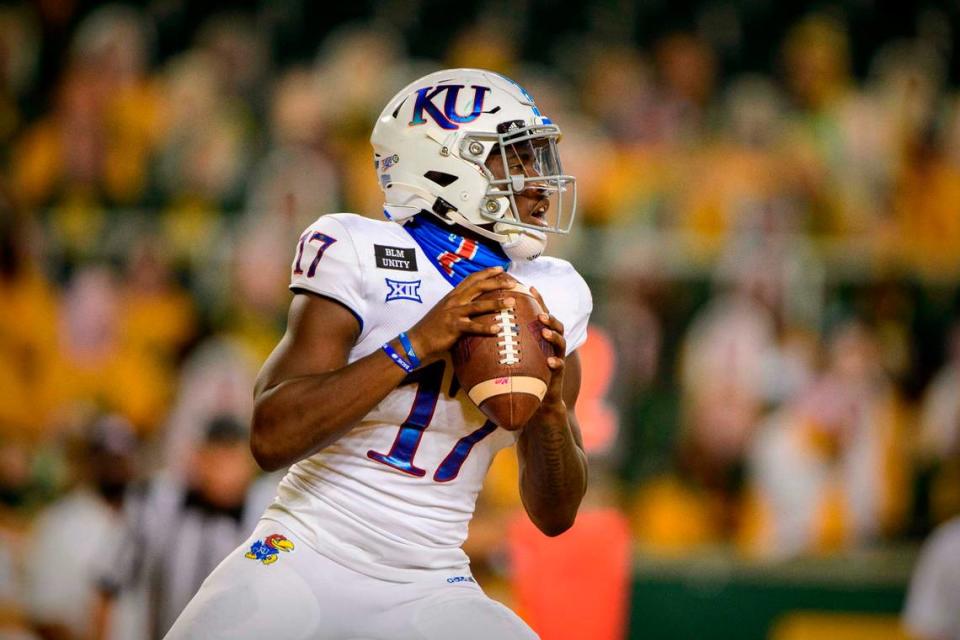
{"x":506,"y":375}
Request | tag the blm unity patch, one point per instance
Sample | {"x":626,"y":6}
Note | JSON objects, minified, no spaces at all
{"x":396,"y":258}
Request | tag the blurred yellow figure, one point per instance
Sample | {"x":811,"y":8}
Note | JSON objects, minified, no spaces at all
{"x":926,"y":203}
{"x":671,"y":518}
{"x":27,"y":350}
{"x":99,"y":137}
{"x":487,"y":44}
{"x":816,"y":56}
{"x":98,"y":364}
{"x":157,"y":314}
{"x":28,"y":327}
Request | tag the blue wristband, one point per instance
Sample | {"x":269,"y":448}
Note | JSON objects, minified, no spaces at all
{"x":408,"y":347}
{"x":397,"y":359}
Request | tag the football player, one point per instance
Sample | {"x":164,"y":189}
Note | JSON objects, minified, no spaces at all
{"x":364,"y":538}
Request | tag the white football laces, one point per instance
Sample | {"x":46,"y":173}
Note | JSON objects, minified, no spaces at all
{"x":509,"y":335}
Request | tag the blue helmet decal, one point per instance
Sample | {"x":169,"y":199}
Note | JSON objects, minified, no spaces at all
{"x":529,"y":98}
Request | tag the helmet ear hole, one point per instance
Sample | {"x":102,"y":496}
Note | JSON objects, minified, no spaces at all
{"x":441,"y":178}
{"x":494,"y":208}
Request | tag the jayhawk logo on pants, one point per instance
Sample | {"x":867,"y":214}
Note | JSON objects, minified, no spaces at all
{"x":268,"y":550}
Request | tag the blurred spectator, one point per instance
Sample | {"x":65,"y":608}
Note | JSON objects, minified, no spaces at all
{"x":185,"y":528}
{"x":98,"y":364}
{"x":730,"y":347}
{"x":930,"y":612}
{"x":687,"y":70}
{"x":617,"y":89}
{"x":360,"y":66}
{"x":635,"y":319}
{"x":358,"y":69}
{"x":488,"y":43}
{"x":215,"y":380}
{"x":629,"y":158}
{"x":294,"y":184}
{"x":816,"y":60}
{"x":93,"y":149}
{"x":78,"y":537}
{"x":741,"y":172}
{"x":205,"y":153}
{"x":157,"y":315}
{"x":817,"y":67}
{"x":19,"y":53}
{"x":939,"y":434}
{"x":728,"y":356}
{"x":20,"y":495}
{"x":927,"y":195}
{"x":827,"y":471}
{"x":28,"y":329}
{"x":13,"y":622}
{"x":297,"y":180}
{"x":260,"y":268}
{"x":237,"y":48}
{"x":26,"y":484}
{"x":26,"y":357}
{"x":23,"y":487}
{"x":889,"y":177}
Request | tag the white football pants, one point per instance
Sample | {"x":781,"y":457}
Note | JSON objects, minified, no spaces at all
{"x":301,"y":594}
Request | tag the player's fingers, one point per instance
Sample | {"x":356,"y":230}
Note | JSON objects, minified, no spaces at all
{"x":466,"y":325}
{"x":480,"y":276}
{"x":483,"y":274}
{"x":501,"y":281}
{"x":551,"y":322}
{"x":556,"y":364}
{"x":556,"y":339}
{"x":486,"y":306}
{"x":536,"y":294}
{"x":478,"y":287}
{"x":471,"y":280}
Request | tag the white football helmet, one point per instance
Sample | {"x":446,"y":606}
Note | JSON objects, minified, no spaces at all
{"x":432,"y":151}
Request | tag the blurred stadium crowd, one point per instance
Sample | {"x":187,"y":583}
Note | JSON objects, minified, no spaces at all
{"x":774,"y":258}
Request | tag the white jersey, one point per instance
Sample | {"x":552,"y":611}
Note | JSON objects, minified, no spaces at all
{"x":932,"y":609}
{"x":394,"y":496}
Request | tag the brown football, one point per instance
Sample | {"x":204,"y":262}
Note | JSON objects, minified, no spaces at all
{"x":506,"y":375}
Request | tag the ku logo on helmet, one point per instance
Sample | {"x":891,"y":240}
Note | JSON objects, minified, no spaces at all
{"x":448,"y":118}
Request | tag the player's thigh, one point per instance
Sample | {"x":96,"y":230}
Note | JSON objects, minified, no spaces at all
{"x":469,"y":617}
{"x":247,"y":598}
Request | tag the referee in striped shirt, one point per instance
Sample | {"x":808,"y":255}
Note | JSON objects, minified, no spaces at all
{"x":182,"y":529}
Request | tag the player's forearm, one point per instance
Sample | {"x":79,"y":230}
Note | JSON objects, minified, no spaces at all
{"x":553,"y":475}
{"x":300,"y":416}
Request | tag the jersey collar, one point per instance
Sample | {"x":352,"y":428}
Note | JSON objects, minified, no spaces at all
{"x":455,"y":256}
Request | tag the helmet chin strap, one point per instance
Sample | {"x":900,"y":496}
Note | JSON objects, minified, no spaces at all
{"x":455,"y":217}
